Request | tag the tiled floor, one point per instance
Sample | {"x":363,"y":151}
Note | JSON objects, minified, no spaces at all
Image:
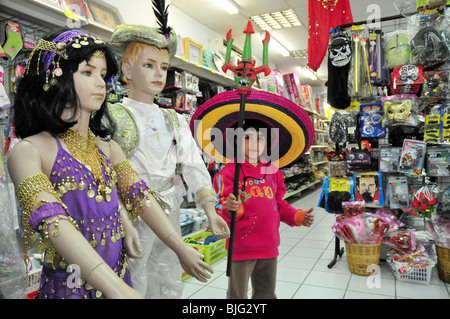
{"x":303,"y":272}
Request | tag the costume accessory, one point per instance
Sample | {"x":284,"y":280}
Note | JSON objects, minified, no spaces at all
{"x":85,"y":150}
{"x":162,"y":37}
{"x":50,"y":52}
{"x":134,"y":191}
{"x":292,"y":125}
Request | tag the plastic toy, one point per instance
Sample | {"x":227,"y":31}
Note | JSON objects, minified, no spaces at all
{"x":372,"y":120}
{"x":369,"y":188}
{"x":336,"y":190}
{"x":397,"y":48}
{"x":412,"y":157}
{"x":389,"y":159}
{"x":400,"y":109}
{"x":406,"y":79}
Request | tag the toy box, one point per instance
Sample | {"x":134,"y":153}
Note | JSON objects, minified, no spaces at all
{"x":412,"y":157}
{"x":406,"y":79}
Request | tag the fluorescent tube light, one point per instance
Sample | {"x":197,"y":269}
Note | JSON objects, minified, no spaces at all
{"x":228,"y":6}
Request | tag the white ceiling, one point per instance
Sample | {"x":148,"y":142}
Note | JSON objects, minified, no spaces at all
{"x":209,"y":13}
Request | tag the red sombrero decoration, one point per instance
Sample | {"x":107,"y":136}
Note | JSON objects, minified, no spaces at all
{"x":295,"y":128}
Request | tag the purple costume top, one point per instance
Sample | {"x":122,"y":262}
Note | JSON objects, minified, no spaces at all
{"x":99,"y":222}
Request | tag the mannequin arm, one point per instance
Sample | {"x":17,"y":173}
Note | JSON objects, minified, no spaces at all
{"x":138,"y":199}
{"x":24,"y":161}
{"x":219,"y":226}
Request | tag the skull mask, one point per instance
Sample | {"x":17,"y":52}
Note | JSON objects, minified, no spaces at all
{"x":340,"y":52}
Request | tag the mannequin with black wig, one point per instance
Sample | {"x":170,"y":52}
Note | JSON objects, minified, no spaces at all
{"x":76,"y":187}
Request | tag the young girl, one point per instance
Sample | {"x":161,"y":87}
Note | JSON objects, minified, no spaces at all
{"x":259,"y":210}
{"x":65,"y":170}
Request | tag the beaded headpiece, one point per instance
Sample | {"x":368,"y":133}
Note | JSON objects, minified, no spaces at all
{"x":51,"y":52}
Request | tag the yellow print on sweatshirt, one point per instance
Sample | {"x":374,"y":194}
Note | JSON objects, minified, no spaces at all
{"x":256,"y":191}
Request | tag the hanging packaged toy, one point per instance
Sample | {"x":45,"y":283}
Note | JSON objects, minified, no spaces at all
{"x":413,"y":157}
{"x":428,"y":48}
{"x":357,"y":157}
{"x":360,"y":85}
{"x":443,"y":205}
{"x":376,"y":58}
{"x":398,"y":192}
{"x":438,"y":161}
{"x":406,"y":79}
{"x":401,"y":109}
{"x":344,"y":127}
{"x":339,"y":61}
{"x":432,"y":130}
{"x":389,"y":159}
{"x":336,"y":190}
{"x":397,"y":48}
{"x":337,"y":164}
{"x":369,"y":188}
{"x":445,"y":123}
{"x":435,"y":84}
{"x":372,"y":120}
{"x":353,"y":208}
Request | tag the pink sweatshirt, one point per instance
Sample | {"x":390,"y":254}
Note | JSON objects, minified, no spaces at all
{"x":257,"y":235}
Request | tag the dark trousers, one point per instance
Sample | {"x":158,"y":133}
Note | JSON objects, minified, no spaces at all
{"x":262,"y":272}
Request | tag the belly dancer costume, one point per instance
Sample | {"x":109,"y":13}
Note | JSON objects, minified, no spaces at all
{"x":89,"y":199}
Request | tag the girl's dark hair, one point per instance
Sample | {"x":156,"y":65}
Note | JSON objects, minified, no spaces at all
{"x":36,"y":110}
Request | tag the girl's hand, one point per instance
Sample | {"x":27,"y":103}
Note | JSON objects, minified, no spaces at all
{"x":232,"y":204}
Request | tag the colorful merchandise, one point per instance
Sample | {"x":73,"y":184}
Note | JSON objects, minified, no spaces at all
{"x":389,"y":159}
{"x":336,"y":190}
{"x":369,"y":188}
{"x":406,"y":79}
{"x":14,"y":42}
{"x":400,"y":109}
{"x":398,"y":192}
{"x":372,"y":120}
{"x":397,"y":49}
{"x":213,"y":125}
{"x":438,"y":161}
{"x":376,"y":58}
{"x":435,"y":84}
{"x":433,"y":124}
{"x":412,"y":158}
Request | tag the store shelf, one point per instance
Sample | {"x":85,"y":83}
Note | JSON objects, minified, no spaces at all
{"x":202,"y":71}
{"x":302,"y":188}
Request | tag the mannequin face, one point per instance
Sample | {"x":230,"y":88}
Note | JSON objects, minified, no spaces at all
{"x":253,"y":145}
{"x":147,"y":74}
{"x":90,"y":84}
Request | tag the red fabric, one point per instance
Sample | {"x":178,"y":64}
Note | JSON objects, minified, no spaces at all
{"x":323,"y":16}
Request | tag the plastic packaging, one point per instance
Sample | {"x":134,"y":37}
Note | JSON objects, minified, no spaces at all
{"x":400,"y":109}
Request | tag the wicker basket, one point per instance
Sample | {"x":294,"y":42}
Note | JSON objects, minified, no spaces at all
{"x":443,"y":257}
{"x":362,"y":256}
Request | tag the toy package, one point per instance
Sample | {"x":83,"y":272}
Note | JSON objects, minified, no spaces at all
{"x":357,"y":157}
{"x":400,"y":109}
{"x":337,"y":164}
{"x":445,"y":123}
{"x":398,"y":192}
{"x":353,"y":208}
{"x":359,"y":83}
{"x":369,"y":188}
{"x":336,"y":190}
{"x":435,"y":84}
{"x":372,"y":120}
{"x":438,"y":161}
{"x":433,"y":124}
{"x":397,"y":48}
{"x":344,"y":127}
{"x":412,"y":157}
{"x":406,"y":79}
{"x":389,"y":159}
{"x":376,"y":58}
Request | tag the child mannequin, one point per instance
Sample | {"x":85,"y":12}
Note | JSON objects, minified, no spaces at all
{"x":165,"y":141}
{"x":65,"y":170}
{"x":259,"y":210}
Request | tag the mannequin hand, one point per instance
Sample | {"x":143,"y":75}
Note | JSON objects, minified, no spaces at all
{"x":219,"y":226}
{"x":132,"y":242}
{"x":192,"y":262}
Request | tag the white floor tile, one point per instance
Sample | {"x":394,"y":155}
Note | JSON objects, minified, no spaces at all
{"x":314,"y":292}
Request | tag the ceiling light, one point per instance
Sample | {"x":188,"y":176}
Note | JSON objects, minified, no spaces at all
{"x":229,"y":6}
{"x":277,"y":20}
{"x":279,"y":47}
{"x":309,"y":72}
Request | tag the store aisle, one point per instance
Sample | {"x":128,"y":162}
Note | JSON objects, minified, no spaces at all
{"x":303,"y":272}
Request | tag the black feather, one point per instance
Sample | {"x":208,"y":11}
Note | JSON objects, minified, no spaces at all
{"x":161,"y":14}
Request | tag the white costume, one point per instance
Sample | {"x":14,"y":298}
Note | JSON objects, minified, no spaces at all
{"x":159,"y":148}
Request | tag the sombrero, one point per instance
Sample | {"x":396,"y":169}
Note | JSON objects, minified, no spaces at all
{"x":295,"y":128}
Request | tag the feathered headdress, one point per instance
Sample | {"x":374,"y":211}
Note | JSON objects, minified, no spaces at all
{"x":162,"y":37}
{"x":161,"y":14}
